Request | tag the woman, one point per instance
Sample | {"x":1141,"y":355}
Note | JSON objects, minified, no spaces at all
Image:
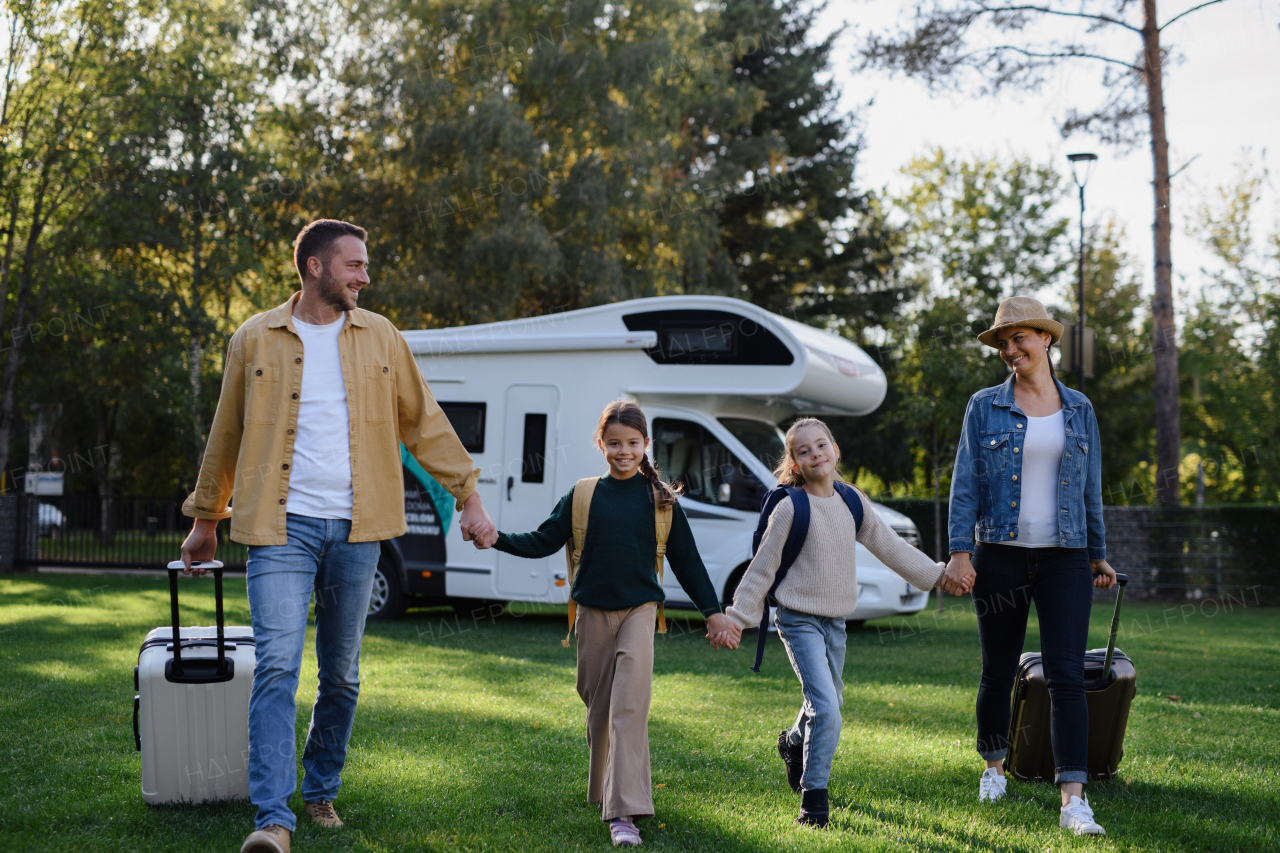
{"x":1026,"y":503}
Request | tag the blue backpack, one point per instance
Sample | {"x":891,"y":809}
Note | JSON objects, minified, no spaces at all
{"x":795,"y":541}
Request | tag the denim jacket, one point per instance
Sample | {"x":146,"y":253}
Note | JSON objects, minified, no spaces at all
{"x":985,"y":483}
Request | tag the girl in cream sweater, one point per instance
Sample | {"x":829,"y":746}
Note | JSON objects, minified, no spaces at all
{"x":819,"y":591}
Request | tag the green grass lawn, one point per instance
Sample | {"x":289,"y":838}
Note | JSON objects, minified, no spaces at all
{"x":470,"y":736}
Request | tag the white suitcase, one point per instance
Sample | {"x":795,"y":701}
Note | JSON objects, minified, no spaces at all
{"x":191,"y":710}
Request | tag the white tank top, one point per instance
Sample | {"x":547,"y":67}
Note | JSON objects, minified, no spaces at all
{"x":1041,"y":465}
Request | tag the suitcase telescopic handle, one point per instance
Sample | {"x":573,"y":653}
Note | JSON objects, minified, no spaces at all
{"x":173,"y":611}
{"x":1121,"y":579}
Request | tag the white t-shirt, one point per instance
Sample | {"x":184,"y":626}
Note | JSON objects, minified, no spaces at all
{"x":320,"y":471}
{"x":1041,"y":465}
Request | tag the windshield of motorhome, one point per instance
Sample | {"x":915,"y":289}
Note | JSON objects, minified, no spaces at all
{"x":763,"y":439}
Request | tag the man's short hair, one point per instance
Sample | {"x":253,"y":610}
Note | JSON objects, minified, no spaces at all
{"x":316,"y":241}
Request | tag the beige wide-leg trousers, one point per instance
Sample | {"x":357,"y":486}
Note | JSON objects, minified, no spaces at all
{"x":615,"y":680}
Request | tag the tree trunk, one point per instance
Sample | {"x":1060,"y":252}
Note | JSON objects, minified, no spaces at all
{"x":1164,"y":345}
{"x":26,"y":281}
{"x":195,"y":351}
{"x":105,"y":418}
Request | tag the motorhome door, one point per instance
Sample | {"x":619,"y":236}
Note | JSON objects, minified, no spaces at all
{"x":528,"y":482}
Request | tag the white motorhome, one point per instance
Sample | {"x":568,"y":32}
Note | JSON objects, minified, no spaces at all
{"x":714,"y":375}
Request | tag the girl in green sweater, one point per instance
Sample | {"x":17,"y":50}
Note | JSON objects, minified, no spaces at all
{"x":616,"y":592}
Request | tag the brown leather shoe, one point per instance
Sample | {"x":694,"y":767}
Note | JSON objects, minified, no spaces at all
{"x":269,"y":839}
{"x":322,"y":812}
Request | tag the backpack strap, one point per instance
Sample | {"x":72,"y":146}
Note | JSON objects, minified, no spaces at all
{"x":662,"y":527}
{"x":851,"y":500}
{"x":582,"y":494}
{"x":790,"y":550}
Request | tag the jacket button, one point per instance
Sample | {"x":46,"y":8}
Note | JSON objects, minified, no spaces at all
{"x":1065,"y":483}
{"x":1013,"y":536}
{"x":295,"y":396}
{"x":1013,"y":503}
{"x":282,"y":501}
{"x":384,"y":370}
{"x":257,"y":373}
{"x":993,"y":442}
{"x":285,"y":466}
{"x":1015,"y":450}
{"x":290,"y":432}
{"x":1015,"y":476}
{"x":297,"y":361}
{"x":1019,"y":426}
{"x":1064,"y":510}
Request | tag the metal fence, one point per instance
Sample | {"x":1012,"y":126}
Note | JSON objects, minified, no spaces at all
{"x":1171,"y":553}
{"x":86,"y":530}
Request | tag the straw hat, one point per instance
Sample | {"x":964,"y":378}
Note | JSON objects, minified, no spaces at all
{"x":1021,"y":311}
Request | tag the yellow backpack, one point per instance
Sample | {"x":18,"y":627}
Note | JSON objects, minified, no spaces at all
{"x":582,"y":494}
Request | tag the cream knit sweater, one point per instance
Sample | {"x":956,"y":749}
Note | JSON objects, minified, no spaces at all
{"x":824,"y":579}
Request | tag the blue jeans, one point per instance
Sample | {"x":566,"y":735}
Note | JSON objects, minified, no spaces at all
{"x":815,"y":645}
{"x":1060,"y":581}
{"x":281,"y":579}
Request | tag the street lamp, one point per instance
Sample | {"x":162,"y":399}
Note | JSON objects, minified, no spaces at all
{"x":1081,"y":168}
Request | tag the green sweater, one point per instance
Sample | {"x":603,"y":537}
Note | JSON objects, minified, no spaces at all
{"x":616,"y":571}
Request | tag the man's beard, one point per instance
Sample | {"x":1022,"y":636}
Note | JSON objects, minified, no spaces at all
{"x":332,"y":294}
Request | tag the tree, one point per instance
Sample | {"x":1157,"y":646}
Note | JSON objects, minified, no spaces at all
{"x":1230,"y":344}
{"x":521,"y":158}
{"x":950,"y":39}
{"x":973,"y":232}
{"x":1123,"y":372}
{"x":64,"y":67}
{"x":187,"y":166}
{"x":801,"y":237}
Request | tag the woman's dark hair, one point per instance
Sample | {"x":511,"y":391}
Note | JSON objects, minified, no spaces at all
{"x":316,"y":241}
{"x":630,"y":415}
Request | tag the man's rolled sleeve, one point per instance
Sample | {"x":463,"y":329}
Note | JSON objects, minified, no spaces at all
{"x":426,"y":432}
{"x":214,"y":485}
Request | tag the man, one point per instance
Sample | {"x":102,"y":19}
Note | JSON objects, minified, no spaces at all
{"x":317,"y":396}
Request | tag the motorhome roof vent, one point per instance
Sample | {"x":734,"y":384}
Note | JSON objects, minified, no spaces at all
{"x":709,"y":337}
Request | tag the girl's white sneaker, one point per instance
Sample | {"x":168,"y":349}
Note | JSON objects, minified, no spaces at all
{"x":991,"y":785}
{"x":1078,"y":817}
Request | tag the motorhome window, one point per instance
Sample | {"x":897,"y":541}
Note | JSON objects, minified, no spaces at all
{"x":763,"y":439}
{"x":690,"y":454}
{"x":709,"y":337}
{"x":680,"y":340}
{"x":535,"y":448}
{"x":468,"y":422}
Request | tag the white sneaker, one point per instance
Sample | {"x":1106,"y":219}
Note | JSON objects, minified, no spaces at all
{"x":1078,"y":817}
{"x":991,"y":785}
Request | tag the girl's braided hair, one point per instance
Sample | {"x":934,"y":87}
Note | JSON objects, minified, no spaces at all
{"x":630,"y":415}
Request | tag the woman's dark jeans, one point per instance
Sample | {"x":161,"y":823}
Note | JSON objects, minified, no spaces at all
{"x":1060,"y":581}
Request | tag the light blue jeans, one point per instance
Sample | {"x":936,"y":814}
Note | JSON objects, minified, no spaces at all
{"x":281,"y":579}
{"x":815,"y":645}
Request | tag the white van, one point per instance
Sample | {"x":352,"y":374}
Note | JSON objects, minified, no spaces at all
{"x":714,"y":376}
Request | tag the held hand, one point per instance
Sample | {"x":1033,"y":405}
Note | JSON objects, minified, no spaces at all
{"x":200,"y":545}
{"x":722,"y":631}
{"x":476,"y":525}
{"x":1104,"y":575}
{"x":959,"y":576}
